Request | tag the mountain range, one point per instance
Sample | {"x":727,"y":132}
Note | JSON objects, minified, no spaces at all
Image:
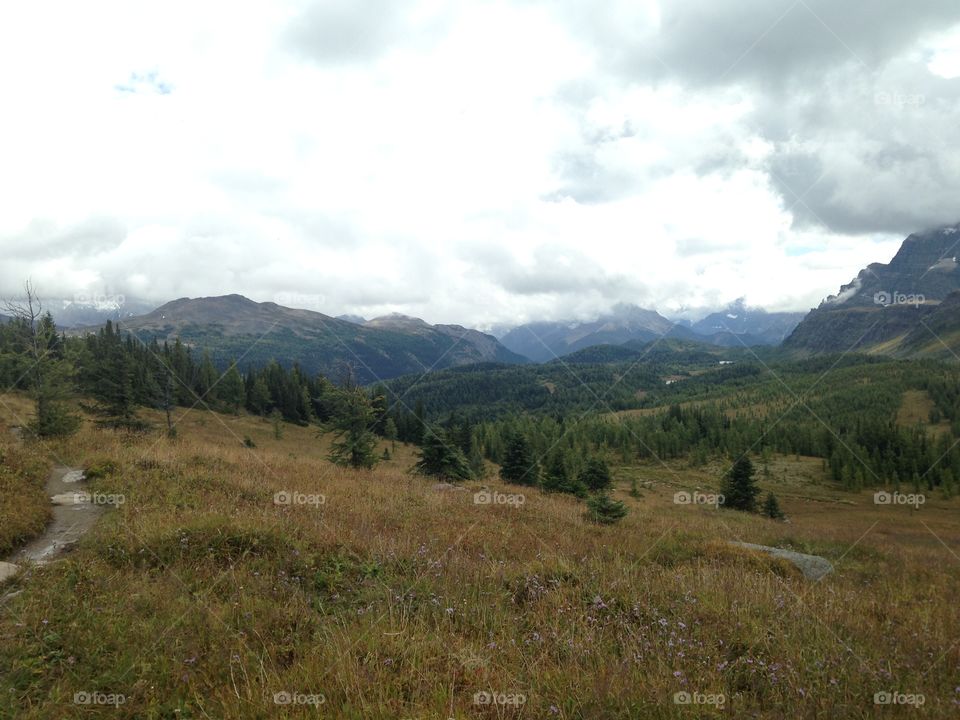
{"x":232,"y":327}
{"x":740,"y":325}
{"x":908,"y":307}
{"x":735,"y":326}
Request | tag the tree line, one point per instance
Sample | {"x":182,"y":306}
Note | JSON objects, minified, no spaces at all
{"x":843,"y":411}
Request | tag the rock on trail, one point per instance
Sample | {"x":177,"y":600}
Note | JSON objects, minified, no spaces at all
{"x":813,"y":567}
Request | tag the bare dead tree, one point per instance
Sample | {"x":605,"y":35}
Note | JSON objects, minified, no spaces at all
{"x":47,"y":372}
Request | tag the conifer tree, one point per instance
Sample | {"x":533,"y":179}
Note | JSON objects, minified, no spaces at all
{"x":440,"y":458}
{"x":604,"y":510}
{"x":38,"y":359}
{"x":771,"y":508}
{"x":519,"y":465}
{"x":354,"y":444}
{"x":558,"y":478}
{"x":596,"y":475}
{"x":738,"y":488}
{"x":230,"y":390}
{"x":555,"y":477}
{"x":113,"y":376}
{"x":258,"y":400}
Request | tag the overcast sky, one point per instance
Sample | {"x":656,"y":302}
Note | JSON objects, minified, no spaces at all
{"x":474,"y":162}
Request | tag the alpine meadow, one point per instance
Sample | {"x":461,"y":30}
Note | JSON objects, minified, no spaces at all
{"x":496,"y":359}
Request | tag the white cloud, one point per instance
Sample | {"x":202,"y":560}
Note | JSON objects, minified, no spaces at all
{"x":499,"y":162}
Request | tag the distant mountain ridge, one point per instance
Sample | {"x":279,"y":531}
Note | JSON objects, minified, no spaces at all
{"x":739,"y":325}
{"x":736,"y":326}
{"x":907,"y":307}
{"x":544,"y":341}
{"x":234,"y":327}
{"x":79,"y":312}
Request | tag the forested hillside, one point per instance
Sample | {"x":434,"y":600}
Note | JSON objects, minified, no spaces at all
{"x":234,"y":328}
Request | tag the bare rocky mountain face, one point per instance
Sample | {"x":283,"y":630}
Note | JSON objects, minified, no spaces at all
{"x":908,"y":307}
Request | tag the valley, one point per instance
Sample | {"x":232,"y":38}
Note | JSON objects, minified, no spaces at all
{"x":509,"y":360}
{"x":394,"y":597}
{"x":387,"y":518}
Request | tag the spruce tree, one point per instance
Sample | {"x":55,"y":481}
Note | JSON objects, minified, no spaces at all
{"x":53,"y":374}
{"x":230,"y":390}
{"x":604,"y":510}
{"x":738,"y":488}
{"x":390,"y":432}
{"x":441,"y":459}
{"x":478,"y":467}
{"x":259,"y":397}
{"x":596,"y":475}
{"x":519,"y":465}
{"x":558,"y":478}
{"x":207,"y":377}
{"x":354,"y":444}
{"x":419,"y":425}
{"x":555,"y":476}
{"x":771,"y":508}
{"x":113,"y":381}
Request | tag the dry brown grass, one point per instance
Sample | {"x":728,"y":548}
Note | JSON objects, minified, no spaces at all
{"x":24,"y":504}
{"x":199,"y":597}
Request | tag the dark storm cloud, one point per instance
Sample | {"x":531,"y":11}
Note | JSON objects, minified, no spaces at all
{"x":862,"y":132}
{"x":861,"y":159}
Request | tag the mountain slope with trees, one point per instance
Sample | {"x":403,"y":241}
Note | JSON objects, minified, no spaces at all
{"x":233,"y":327}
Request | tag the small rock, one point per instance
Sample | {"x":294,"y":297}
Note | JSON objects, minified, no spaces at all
{"x":73,"y":476}
{"x":8,"y":570}
{"x":70,"y":499}
{"x":813,"y":567}
{"x":447,"y":486}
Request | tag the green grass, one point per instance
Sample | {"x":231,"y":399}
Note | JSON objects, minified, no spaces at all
{"x":201,"y":598}
{"x":24,"y":504}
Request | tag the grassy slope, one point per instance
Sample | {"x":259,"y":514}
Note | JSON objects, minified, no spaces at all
{"x":199,"y":597}
{"x":24,"y":505}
